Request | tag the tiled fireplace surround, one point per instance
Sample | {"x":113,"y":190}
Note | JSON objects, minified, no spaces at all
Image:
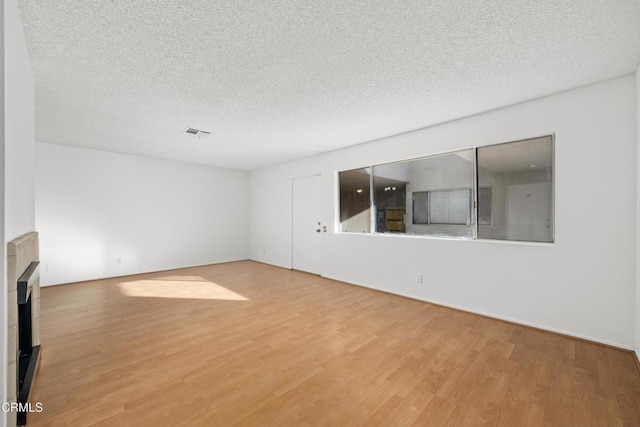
{"x":21,"y":252}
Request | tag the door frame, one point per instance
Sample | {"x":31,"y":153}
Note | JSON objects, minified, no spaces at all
{"x":551,"y":211}
{"x":319,"y":175}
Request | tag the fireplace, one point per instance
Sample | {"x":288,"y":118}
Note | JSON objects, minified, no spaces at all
{"x":23,"y":320}
{"x":27,"y":353}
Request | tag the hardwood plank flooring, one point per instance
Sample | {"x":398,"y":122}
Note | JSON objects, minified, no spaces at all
{"x":249,"y":344}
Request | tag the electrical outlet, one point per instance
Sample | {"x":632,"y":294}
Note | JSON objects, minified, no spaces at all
{"x":419,"y":278}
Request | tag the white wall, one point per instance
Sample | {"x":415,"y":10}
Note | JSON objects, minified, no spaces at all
{"x":19,"y":128}
{"x":94,"y":207}
{"x":3,"y":263}
{"x":18,"y":216}
{"x":582,"y":285}
{"x":638,"y":213}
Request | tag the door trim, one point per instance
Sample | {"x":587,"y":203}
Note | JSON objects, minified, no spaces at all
{"x":291,"y":260}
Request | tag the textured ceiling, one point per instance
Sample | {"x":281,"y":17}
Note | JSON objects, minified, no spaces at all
{"x":281,"y":79}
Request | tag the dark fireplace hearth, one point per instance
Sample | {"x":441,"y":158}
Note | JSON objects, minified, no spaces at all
{"x":26,"y":353}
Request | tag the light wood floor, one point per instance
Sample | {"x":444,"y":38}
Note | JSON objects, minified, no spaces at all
{"x":249,"y":344}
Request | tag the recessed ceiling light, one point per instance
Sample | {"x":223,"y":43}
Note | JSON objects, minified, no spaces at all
{"x":359,"y":190}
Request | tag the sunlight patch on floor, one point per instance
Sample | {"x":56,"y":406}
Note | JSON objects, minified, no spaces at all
{"x":178,"y":288}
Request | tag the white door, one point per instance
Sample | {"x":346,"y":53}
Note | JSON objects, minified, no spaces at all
{"x":307,"y":230}
{"x":529,"y":212}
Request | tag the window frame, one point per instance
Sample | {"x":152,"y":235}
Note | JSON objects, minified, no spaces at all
{"x":475,"y":223}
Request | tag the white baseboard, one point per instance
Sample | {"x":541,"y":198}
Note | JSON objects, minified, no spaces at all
{"x":495,"y":316}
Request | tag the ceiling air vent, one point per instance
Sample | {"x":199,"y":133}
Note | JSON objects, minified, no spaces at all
{"x":198,"y":133}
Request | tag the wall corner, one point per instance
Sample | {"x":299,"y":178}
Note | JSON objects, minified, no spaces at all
{"x":637,"y":306}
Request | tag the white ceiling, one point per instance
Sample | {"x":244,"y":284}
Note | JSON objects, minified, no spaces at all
{"x":281,"y":79}
{"x":530,"y":155}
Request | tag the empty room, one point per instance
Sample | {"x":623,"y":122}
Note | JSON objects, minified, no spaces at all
{"x":405,"y":213}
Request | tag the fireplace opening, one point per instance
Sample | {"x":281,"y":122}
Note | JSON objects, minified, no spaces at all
{"x":26,"y":353}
